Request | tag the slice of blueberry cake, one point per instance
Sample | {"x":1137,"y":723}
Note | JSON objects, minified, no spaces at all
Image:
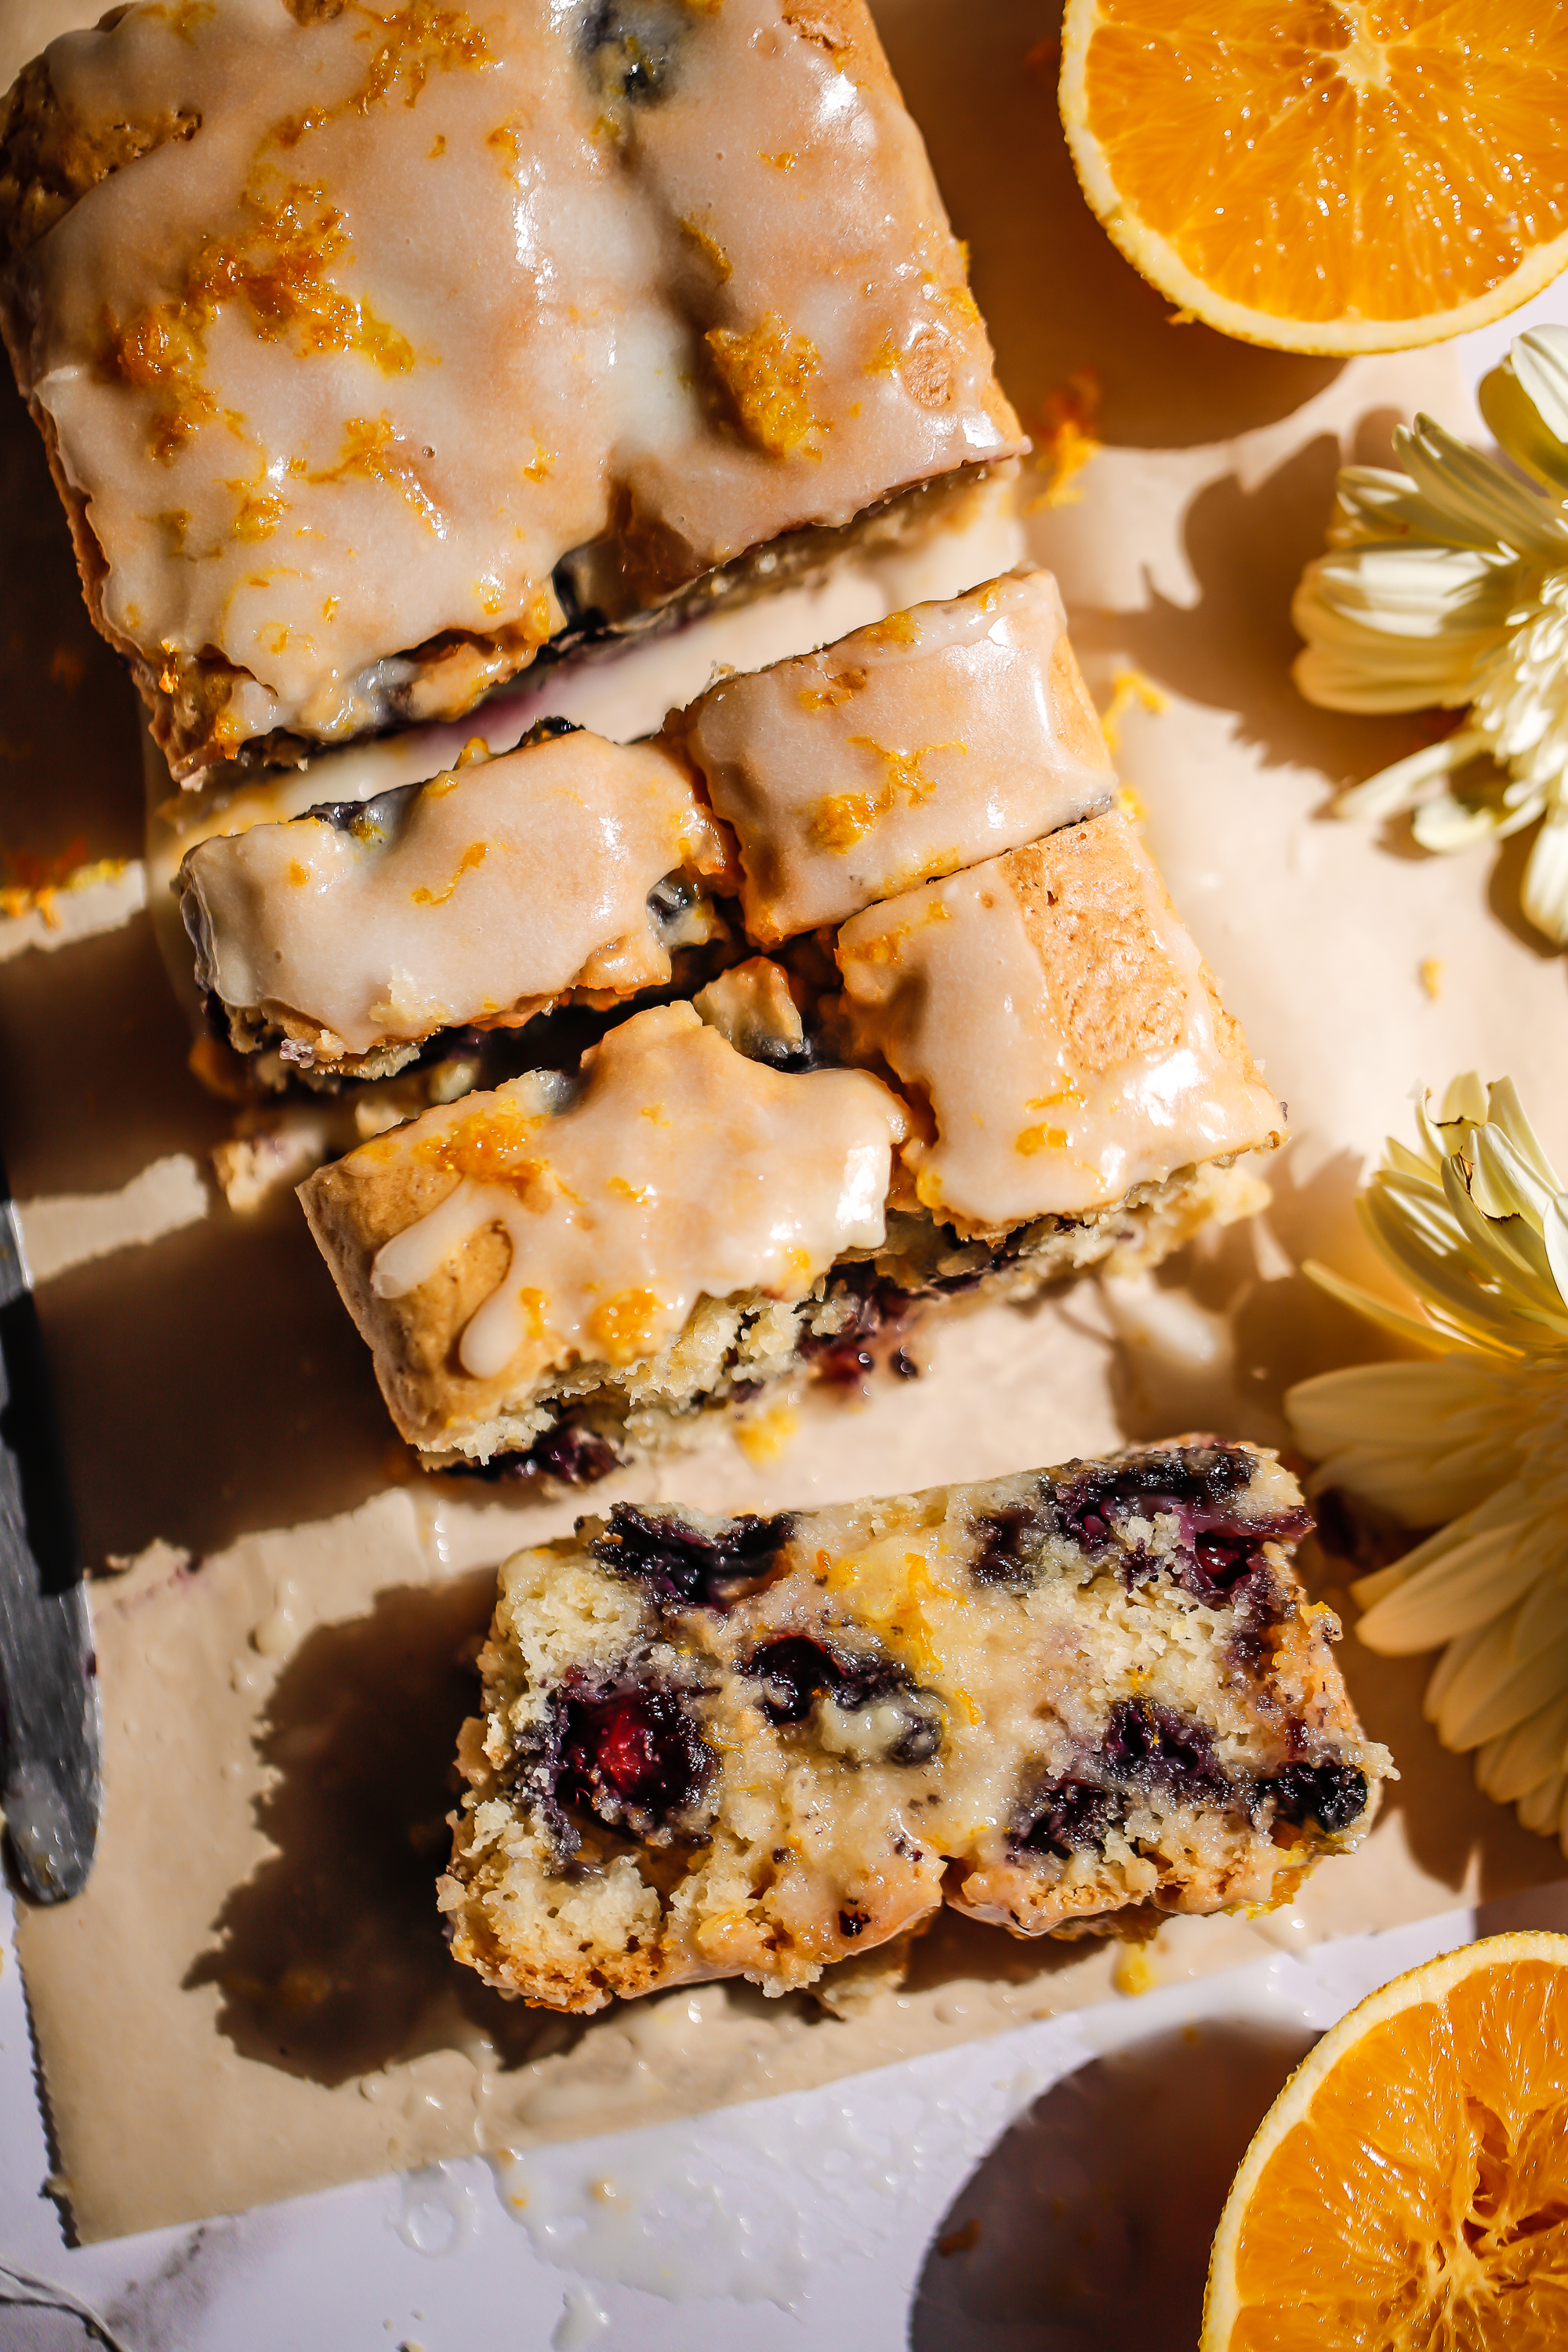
{"x":754,"y":1747}
{"x":568,"y":868}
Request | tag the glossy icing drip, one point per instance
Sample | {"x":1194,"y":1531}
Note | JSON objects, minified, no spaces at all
{"x":490,"y":891}
{"x":924,"y":743}
{"x":681,"y":1168}
{"x":411,"y":303}
{"x":1062,"y":1026}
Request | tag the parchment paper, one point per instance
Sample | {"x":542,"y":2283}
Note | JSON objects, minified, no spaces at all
{"x":252,"y":1998}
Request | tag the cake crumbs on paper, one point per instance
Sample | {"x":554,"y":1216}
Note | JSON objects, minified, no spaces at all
{"x":763,"y":1436}
{"x":1065,"y":440}
{"x":37,"y":882}
{"x":1431,"y":969}
{"x":1133,"y":1971}
{"x":1129,"y":689}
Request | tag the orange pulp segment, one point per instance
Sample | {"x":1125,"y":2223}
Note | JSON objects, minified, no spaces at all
{"x":1327,"y":175}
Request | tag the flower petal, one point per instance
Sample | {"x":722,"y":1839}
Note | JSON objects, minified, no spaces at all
{"x":1544,"y":894}
{"x":1396,"y":786}
{"x":1470,"y":1587}
{"x":1477,"y":491}
{"x":1525,"y":402}
{"x":1491,"y":1696}
{"x":1540,"y":1810}
{"x":1504,"y":1109}
{"x":1508,"y":1767}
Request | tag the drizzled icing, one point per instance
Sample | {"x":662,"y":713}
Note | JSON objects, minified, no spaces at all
{"x":374,"y":317}
{"x":492,"y":890}
{"x":908,"y":749}
{"x":681,"y":1168}
{"x":1061,"y":1024}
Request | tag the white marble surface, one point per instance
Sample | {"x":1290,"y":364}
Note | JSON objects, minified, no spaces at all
{"x":808,"y":2222}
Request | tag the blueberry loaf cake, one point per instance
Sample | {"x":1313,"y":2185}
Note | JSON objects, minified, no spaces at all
{"x":570,"y":867}
{"x":377,"y":349}
{"x":345,"y":938}
{"x":579,"y":1270}
{"x":752,"y":1747}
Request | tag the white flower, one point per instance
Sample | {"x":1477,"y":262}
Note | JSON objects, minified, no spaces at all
{"x":1476,"y":1223}
{"x":1446,"y":587}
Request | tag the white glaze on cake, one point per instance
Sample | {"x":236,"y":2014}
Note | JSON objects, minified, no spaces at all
{"x":497,"y":888}
{"x":680,"y":1169}
{"x":400,"y":307}
{"x":1062,"y":1025}
{"x":922,"y":744}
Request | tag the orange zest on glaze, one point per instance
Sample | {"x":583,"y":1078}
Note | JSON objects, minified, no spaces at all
{"x":473,"y":856}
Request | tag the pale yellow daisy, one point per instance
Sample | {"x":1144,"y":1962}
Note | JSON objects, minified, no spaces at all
{"x":1475,"y":1437}
{"x":1446,"y":587}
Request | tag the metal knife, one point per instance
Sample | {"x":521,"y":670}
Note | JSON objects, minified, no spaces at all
{"x":50,"y":1781}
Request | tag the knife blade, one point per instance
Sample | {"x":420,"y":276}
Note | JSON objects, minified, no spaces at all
{"x":50,"y":1780}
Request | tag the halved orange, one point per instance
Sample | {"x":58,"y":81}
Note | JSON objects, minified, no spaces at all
{"x":1410,"y":2186}
{"x":1326,"y":175}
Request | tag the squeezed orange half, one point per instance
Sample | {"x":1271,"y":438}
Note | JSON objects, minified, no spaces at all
{"x":1410,"y":2186}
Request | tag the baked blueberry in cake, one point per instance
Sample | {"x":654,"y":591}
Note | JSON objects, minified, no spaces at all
{"x":752,"y":1746}
{"x":378,"y":349}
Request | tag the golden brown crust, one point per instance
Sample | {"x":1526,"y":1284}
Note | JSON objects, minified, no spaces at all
{"x":48,"y":160}
{"x":1116,"y":991}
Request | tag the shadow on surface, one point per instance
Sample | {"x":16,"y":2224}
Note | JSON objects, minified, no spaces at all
{"x":330,"y":1957}
{"x":1088,"y":2226}
{"x":207,"y":1384}
{"x":1055,"y":292}
{"x":1231,"y":648}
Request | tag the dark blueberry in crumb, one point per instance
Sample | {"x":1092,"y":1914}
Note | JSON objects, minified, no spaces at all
{"x":903,"y":1364}
{"x":1068,"y":1817}
{"x":1010,"y":1541}
{"x":853,"y":1921}
{"x":632,"y":45}
{"x":573,"y":1456}
{"x":634,"y":1756}
{"x":792,"y":1671}
{"x":1219,"y":1547}
{"x":795,"y":1672}
{"x":878,"y":1311}
{"x":1147,"y":1746}
{"x":779,"y":1053}
{"x":670,"y":897}
{"x":680,"y":1564}
{"x":1332,"y":1795}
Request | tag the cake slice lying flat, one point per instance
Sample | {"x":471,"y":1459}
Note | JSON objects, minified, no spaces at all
{"x":927,"y":741}
{"x":568,"y":867}
{"x":375,"y":350}
{"x":740,"y":1746}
